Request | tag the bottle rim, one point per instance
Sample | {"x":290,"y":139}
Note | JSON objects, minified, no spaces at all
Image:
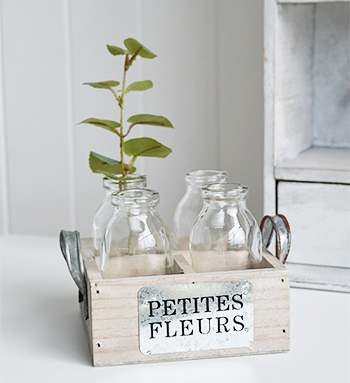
{"x":225,"y":192}
{"x":134,"y":198}
{"x":205,"y":177}
{"x":129,"y":182}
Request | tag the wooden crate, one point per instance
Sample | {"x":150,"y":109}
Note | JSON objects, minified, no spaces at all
{"x":113,"y":324}
{"x":307,"y":126}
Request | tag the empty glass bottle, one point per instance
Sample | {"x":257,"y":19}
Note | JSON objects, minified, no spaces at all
{"x":106,"y":209}
{"x":137,"y":241}
{"x":191,"y":203}
{"x":225,"y":235}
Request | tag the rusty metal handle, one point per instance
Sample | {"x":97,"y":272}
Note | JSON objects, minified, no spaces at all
{"x":280,"y":225}
{"x":71,"y":250}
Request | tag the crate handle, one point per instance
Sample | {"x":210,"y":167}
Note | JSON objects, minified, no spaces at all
{"x":280,"y":225}
{"x":71,"y":250}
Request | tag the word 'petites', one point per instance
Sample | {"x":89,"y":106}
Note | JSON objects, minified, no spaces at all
{"x":195,"y":305}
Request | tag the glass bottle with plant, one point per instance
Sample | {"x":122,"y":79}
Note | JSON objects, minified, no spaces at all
{"x":121,"y":173}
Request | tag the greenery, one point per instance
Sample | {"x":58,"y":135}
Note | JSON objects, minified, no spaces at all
{"x":144,"y":146}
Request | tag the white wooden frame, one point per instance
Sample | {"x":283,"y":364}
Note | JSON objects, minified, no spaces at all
{"x":302,"y":158}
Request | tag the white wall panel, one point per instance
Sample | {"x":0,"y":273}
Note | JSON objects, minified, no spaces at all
{"x":240,"y":99}
{"x":183,"y":34}
{"x":93,"y":25}
{"x":207,"y":81}
{"x":35,"y":83}
{"x":4,"y":205}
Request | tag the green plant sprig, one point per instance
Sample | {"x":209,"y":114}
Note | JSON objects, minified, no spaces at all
{"x":137,"y":147}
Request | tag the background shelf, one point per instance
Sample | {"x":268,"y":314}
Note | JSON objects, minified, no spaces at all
{"x":309,"y":1}
{"x":317,"y":165}
{"x":307,"y":135}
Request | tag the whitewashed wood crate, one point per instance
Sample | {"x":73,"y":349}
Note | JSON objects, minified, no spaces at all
{"x":112,"y":313}
{"x":307,"y":135}
{"x":185,"y":315}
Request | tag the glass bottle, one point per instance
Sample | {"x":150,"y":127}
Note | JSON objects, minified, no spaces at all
{"x":137,"y":241}
{"x":191,"y":203}
{"x":225,"y":235}
{"x":105,"y":210}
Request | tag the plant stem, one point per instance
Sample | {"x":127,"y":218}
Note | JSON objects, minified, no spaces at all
{"x":130,"y":127}
{"x":131,"y":164}
{"x":115,"y":94}
{"x":126,"y":168}
{"x":121,"y":104}
{"x":130,"y":240}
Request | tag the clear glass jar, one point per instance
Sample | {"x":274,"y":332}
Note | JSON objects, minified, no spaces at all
{"x":106,"y":209}
{"x":225,"y":235}
{"x":137,"y":241}
{"x":191,"y":203}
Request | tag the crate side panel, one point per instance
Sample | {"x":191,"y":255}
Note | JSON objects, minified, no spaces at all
{"x":115,"y":316}
{"x":91,"y":269}
{"x":111,"y":323}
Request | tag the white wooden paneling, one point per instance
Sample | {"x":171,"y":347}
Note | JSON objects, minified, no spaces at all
{"x":92,"y":27}
{"x":319,"y":215}
{"x":185,"y":90}
{"x":240,"y":91}
{"x":269,"y":107}
{"x":36,"y":115}
{"x":4,"y":205}
{"x":51,"y":48}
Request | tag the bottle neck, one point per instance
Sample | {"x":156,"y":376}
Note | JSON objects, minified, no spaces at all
{"x":198,"y":179}
{"x":193,"y":188}
{"x":223,"y":203}
{"x":109,"y":193}
{"x":135,"y":201}
{"x":132,"y":182}
{"x":135,"y":210}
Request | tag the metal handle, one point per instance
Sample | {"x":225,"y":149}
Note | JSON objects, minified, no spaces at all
{"x":71,"y":250}
{"x":280,"y":225}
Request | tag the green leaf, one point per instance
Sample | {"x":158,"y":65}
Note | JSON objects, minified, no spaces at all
{"x":134,"y":46}
{"x":116,"y":50}
{"x":150,"y":119}
{"x":139,"y":85}
{"x":103,"y":84}
{"x":105,"y":165}
{"x":145,"y":147}
{"x":105,"y":124}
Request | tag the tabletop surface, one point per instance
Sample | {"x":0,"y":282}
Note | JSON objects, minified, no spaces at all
{"x":43,"y":339}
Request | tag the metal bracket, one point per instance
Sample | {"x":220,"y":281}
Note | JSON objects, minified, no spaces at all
{"x":280,"y":225}
{"x":71,"y":250}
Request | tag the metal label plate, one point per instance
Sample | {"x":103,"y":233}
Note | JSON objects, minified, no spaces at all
{"x":191,"y":317}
